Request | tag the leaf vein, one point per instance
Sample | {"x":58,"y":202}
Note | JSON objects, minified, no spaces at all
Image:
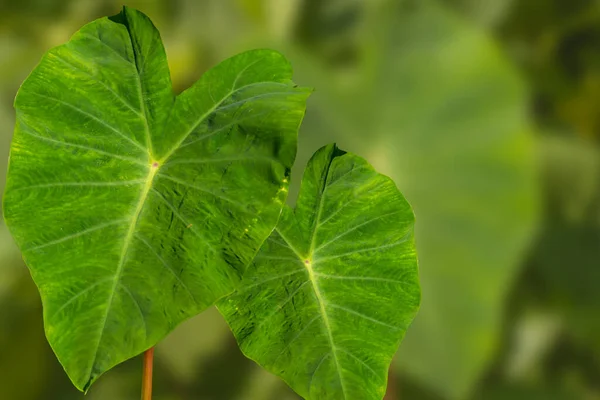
{"x":78,"y":234}
{"x":29,"y":132}
{"x":182,"y":219}
{"x":93,"y":117}
{"x":337,"y":237}
{"x":385,"y":246}
{"x":119,"y":271}
{"x":222,"y":128}
{"x":107,"y":87}
{"x":296,"y":337}
{"x":359,"y":278}
{"x":137,"y":304}
{"x":246,"y":288}
{"x":104,"y":44}
{"x":83,"y":184}
{"x":349,"y":311}
{"x":224,"y":159}
{"x":310,"y":382}
{"x":167,"y":267}
{"x":359,"y":360}
{"x":279,"y":307}
{"x":75,"y":297}
{"x":240,"y":206}
{"x":203,"y":117}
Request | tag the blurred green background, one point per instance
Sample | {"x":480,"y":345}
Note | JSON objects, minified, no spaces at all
{"x":486,"y":114}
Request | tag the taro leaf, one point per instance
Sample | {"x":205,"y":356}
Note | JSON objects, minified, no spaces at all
{"x":439,"y":109}
{"x":133,"y":209}
{"x":329,"y":296}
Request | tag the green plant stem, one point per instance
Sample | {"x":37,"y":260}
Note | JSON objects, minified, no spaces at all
{"x":147,"y":374}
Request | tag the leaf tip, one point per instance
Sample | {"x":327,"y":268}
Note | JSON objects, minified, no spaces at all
{"x":334,"y":150}
{"x":120,"y":17}
{"x":125,"y":15}
{"x":87,"y":385}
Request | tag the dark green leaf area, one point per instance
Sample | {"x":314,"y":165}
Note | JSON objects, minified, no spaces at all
{"x":332,"y":291}
{"x":134,"y":208}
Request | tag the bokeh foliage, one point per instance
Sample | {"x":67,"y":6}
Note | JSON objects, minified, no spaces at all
{"x":459,"y":101}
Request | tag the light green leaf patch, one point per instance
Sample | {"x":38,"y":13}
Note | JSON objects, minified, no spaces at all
{"x":329,"y":296}
{"x":135,"y":209}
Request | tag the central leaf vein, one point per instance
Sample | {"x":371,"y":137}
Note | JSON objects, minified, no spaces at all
{"x":126,"y":243}
{"x":312,"y":277}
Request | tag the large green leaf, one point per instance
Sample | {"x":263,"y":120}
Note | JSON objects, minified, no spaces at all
{"x":329,"y":296}
{"x":133,"y":209}
{"x":436,"y":106}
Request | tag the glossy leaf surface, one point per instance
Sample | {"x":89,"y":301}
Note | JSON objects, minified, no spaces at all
{"x":135,"y":209}
{"x":329,"y":296}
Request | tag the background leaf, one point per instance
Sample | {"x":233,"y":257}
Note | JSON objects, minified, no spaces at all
{"x":151,"y":210}
{"x":551,"y":45}
{"x":436,"y":107}
{"x":332,"y":291}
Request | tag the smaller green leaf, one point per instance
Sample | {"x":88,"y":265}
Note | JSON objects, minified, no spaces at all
{"x":332,"y":291}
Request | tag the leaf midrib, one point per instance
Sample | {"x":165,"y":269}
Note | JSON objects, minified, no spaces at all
{"x":308,"y":265}
{"x":311,"y":274}
{"x":307,"y":262}
{"x":321,"y":301}
{"x":140,"y":90}
{"x":126,"y":243}
{"x":153,"y":172}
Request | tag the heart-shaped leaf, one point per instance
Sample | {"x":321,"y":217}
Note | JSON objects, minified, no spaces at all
{"x":437,"y":107}
{"x":329,"y":296}
{"x":133,"y":209}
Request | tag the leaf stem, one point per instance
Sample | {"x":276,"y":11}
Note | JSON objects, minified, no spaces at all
{"x":392,"y":389}
{"x":147,"y":374}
